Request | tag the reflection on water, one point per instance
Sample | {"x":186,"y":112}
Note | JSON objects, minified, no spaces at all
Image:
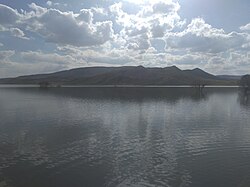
{"x":244,"y":98}
{"x":124,"y":137}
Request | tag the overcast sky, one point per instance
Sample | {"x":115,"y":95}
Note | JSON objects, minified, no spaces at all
{"x":39,"y":36}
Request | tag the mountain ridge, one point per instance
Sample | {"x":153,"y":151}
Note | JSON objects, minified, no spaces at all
{"x":124,"y":75}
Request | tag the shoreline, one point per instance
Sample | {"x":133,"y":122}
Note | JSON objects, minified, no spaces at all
{"x":115,"y":86}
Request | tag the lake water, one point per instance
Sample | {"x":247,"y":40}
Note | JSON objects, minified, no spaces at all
{"x":87,"y":137}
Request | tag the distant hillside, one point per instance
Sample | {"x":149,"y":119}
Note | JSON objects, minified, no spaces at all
{"x":230,"y":77}
{"x":200,"y":73}
{"x":127,"y":75}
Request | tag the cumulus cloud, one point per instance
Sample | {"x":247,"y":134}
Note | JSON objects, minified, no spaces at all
{"x":31,"y":62}
{"x":53,"y":58}
{"x":49,"y":3}
{"x":202,"y":37}
{"x":72,"y":29}
{"x":5,"y":63}
{"x":66,"y":28}
{"x":143,"y":32}
{"x":5,"y":55}
{"x":245,"y":27}
{"x":139,"y":43}
{"x":18,"y":33}
{"x":85,"y":15}
{"x":106,"y":56}
{"x":163,"y":7}
{"x":56,"y":5}
{"x":8,"y":16}
{"x":152,"y":19}
{"x":158,"y":30}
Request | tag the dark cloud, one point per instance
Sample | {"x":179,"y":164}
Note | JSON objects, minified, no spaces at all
{"x":68,"y":28}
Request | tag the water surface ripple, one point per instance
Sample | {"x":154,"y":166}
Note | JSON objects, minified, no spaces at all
{"x":153,"y":137}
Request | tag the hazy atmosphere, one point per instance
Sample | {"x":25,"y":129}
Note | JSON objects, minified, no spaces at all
{"x":48,"y":36}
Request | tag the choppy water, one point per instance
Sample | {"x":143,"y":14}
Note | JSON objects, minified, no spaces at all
{"x":77,"y":137}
